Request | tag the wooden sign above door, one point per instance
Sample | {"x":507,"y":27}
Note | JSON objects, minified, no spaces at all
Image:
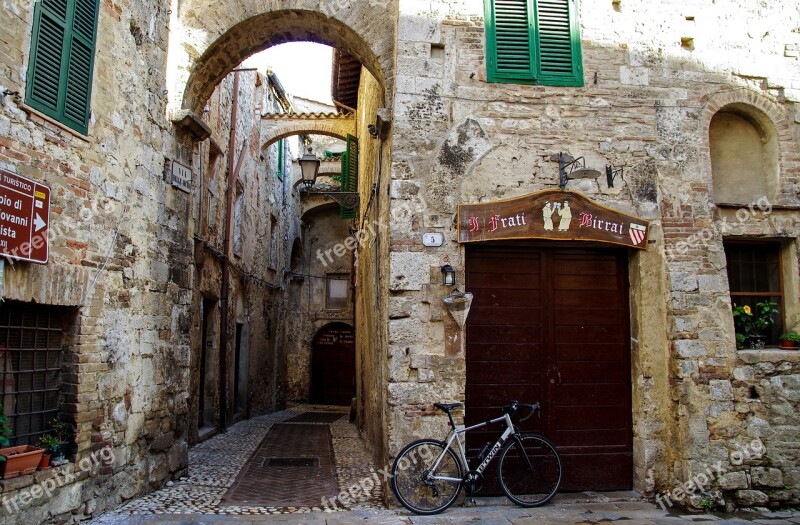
{"x":552,"y":215}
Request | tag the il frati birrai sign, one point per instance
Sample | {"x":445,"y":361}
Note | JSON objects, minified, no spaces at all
{"x":552,"y":215}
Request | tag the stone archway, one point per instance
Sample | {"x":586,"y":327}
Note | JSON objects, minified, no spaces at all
{"x":210,"y":39}
{"x":276,"y":127}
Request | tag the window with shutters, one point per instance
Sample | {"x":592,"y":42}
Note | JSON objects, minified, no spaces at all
{"x":349,"y":176}
{"x":62,"y":59}
{"x":533,"y":42}
{"x":281,"y":162}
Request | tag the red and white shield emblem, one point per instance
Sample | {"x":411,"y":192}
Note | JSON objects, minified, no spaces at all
{"x":637,"y":233}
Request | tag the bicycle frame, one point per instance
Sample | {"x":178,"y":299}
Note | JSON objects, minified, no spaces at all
{"x":455,"y":435}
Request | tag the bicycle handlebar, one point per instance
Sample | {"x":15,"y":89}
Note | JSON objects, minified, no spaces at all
{"x":512,"y":409}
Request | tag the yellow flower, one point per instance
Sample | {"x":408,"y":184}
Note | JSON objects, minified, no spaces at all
{"x":747,"y":310}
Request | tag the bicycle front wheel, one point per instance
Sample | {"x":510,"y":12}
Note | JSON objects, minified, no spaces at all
{"x":413,"y":480}
{"x":530,"y":470}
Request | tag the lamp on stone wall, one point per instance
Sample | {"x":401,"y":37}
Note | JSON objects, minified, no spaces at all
{"x":448,"y":275}
{"x":577,"y":169}
{"x":309,"y":167}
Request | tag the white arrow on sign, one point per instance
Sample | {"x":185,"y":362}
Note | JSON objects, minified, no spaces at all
{"x":39,"y":223}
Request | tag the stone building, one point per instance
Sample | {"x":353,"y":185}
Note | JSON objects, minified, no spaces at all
{"x":608,"y":299}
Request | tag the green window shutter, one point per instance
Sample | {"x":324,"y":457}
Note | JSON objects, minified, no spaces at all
{"x":533,"y":42}
{"x":509,"y":39}
{"x":281,"y":147}
{"x":62,"y":60}
{"x":349,"y":178}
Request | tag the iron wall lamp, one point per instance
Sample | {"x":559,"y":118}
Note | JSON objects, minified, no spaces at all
{"x":448,"y":275}
{"x":577,"y":169}
{"x":309,"y":168}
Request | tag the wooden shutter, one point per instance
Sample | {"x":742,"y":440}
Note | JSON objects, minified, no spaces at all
{"x":349,"y":175}
{"x":281,"y":162}
{"x":510,"y":38}
{"x":556,"y":31}
{"x":62,"y":60}
{"x":533,"y":42}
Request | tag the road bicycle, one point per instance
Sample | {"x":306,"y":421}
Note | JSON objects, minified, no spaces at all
{"x":427,"y":474}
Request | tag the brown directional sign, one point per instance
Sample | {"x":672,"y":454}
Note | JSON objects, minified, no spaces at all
{"x":552,"y":215}
{"x":24,"y":218}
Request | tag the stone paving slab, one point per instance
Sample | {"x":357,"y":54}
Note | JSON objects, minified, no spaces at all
{"x":260,"y":484}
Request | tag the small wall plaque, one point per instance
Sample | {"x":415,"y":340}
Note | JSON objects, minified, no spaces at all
{"x":432,"y":239}
{"x":181,"y":177}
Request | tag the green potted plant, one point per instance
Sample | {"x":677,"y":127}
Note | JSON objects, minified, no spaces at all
{"x":60,"y":429}
{"x":790,"y":340}
{"x":16,"y":461}
{"x":52,"y":446}
{"x":5,"y":430}
{"x":751,"y":323}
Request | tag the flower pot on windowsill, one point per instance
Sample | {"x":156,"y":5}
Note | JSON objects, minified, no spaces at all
{"x":788,"y":344}
{"x":44,"y":463}
{"x":20,"y":461}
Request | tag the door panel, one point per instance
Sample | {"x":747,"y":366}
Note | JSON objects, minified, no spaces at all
{"x":551,"y":325}
{"x":333,"y":365}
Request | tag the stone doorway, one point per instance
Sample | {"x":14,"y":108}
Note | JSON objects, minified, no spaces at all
{"x":333,"y":365}
{"x":552,"y":325}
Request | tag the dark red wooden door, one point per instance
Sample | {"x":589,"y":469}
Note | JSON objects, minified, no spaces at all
{"x":333,"y":365}
{"x":551,"y":325}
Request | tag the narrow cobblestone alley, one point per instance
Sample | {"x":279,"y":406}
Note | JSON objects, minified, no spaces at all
{"x":224,"y":474}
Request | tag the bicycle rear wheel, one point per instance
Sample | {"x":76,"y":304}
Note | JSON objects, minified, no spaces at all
{"x":529,"y":484}
{"x":411,"y":483}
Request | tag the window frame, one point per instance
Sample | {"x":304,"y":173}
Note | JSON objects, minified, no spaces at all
{"x":535,"y":74}
{"x":776,"y":245}
{"x":337,"y":276}
{"x":40,"y":382}
{"x":57,"y":109}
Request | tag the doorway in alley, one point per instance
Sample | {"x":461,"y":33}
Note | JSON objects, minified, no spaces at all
{"x":552,"y":325}
{"x":333,"y":365}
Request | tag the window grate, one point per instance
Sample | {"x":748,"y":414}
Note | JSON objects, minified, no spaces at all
{"x":31,"y":347}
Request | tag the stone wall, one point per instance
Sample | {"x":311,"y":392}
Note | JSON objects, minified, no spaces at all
{"x":119,"y":254}
{"x":646,"y":105}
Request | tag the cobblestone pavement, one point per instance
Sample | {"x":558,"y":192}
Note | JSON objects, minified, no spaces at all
{"x":197,"y":498}
{"x":214,"y":465}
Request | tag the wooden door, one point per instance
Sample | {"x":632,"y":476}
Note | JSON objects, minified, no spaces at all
{"x":551,"y":325}
{"x":333,"y":365}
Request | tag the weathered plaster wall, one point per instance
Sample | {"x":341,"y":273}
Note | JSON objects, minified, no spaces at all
{"x":646,"y":105}
{"x":371,"y":260}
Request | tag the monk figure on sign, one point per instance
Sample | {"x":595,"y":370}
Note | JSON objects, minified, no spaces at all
{"x":547,"y":213}
{"x":566,"y":215}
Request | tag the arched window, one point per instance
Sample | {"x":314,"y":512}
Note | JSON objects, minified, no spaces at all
{"x":744,"y":155}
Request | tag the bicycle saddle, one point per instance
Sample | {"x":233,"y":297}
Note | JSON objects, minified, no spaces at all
{"x":447,"y":407}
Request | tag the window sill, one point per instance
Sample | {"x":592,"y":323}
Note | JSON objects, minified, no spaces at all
{"x":54,"y":122}
{"x":770,"y":355}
